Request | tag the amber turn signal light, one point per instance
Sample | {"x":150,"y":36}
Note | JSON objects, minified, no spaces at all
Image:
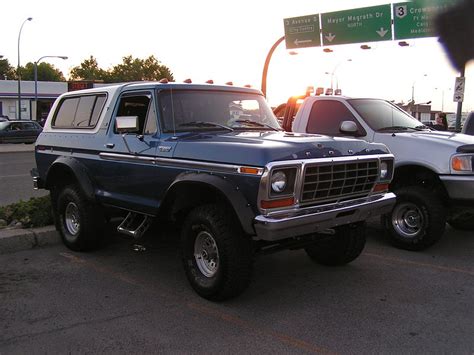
{"x":285,"y":202}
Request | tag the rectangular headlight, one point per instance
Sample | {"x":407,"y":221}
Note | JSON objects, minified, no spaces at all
{"x":386,"y":169}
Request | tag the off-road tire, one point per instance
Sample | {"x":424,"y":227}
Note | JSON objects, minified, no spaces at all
{"x":341,"y":248}
{"x":80,"y":222}
{"x":418,"y":219}
{"x":212,"y":227}
{"x":464,"y":222}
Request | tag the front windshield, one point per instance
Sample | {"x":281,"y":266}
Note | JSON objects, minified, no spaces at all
{"x":3,"y":125}
{"x":380,"y":115}
{"x":185,"y":110}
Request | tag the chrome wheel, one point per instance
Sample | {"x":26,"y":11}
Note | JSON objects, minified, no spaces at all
{"x":407,"y":219}
{"x":72,"y":218}
{"x":206,"y":254}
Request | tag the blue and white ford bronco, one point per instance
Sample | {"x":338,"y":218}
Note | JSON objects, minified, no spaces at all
{"x":214,"y":160}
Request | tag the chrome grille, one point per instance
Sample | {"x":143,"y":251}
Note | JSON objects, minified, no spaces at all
{"x":335,"y":181}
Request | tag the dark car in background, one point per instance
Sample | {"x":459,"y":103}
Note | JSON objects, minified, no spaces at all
{"x":19,"y":131}
{"x":4,"y":118}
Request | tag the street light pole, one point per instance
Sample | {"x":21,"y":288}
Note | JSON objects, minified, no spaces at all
{"x":267,"y":62}
{"x":36,"y":78}
{"x":18,"y":68}
{"x":334,"y":72}
{"x":413,"y":90}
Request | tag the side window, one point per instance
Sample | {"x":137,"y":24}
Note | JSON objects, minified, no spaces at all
{"x":29,"y":126}
{"x":79,"y":112}
{"x":16,"y":126}
{"x":137,"y":104}
{"x":99,"y":104}
{"x":326,"y":117}
{"x":66,"y":113}
{"x":84,"y":111}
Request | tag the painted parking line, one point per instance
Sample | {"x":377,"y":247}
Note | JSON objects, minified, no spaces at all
{"x":206,"y":310}
{"x":255,"y":328}
{"x":424,"y":265}
{"x":14,"y":176}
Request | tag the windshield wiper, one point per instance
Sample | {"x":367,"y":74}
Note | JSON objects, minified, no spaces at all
{"x":205,"y":124}
{"x":422,"y":127}
{"x":399,"y":128}
{"x":255,"y":123}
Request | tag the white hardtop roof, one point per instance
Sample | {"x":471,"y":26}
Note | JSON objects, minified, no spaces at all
{"x":157,"y":85}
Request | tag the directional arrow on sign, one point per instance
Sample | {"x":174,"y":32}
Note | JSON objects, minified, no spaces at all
{"x":382,"y":32}
{"x":298,"y":42}
{"x":302,"y":32}
{"x":330,"y":37}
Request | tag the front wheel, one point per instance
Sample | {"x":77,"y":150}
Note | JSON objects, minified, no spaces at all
{"x":79,"y":221}
{"x":341,"y":248}
{"x":217,"y":256}
{"x":418,"y":219}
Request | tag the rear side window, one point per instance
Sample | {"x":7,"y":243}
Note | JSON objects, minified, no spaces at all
{"x":79,"y":111}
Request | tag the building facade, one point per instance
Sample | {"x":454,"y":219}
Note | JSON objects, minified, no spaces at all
{"x":31,"y":109}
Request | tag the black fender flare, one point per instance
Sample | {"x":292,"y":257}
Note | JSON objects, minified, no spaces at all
{"x":77,"y":170}
{"x":230,"y":192}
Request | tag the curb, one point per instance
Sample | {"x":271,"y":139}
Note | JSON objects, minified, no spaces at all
{"x":13,"y":240}
{"x":16,"y":148}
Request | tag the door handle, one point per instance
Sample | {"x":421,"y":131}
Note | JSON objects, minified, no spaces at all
{"x":110,"y":145}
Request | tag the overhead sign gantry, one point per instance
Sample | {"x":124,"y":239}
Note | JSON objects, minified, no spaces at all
{"x":368,"y":24}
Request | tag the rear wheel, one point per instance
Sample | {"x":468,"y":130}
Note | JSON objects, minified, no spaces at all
{"x":418,"y":219}
{"x":79,"y":222}
{"x":340,"y":248}
{"x":217,"y":256}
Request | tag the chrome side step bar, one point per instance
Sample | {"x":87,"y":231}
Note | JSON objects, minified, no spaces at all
{"x":135,"y":225}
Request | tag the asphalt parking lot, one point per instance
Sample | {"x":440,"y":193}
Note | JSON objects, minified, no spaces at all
{"x":118,"y":299}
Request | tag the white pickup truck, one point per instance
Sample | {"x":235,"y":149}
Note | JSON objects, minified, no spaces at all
{"x":434,"y":176}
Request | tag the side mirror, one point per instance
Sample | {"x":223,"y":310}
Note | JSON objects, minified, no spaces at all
{"x":126,"y":124}
{"x":349,"y":128}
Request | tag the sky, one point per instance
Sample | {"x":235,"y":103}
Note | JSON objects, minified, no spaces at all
{"x":228,"y":41}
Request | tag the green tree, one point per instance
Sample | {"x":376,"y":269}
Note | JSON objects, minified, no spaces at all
{"x":88,"y":70}
{"x":135,"y":69}
{"x":7,"y":72}
{"x":46,"y":72}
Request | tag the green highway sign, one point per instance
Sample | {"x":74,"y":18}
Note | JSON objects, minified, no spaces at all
{"x":415,"y":19}
{"x":301,"y":32}
{"x":366,"y":24}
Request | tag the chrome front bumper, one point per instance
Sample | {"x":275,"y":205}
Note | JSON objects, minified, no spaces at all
{"x":292,"y":223}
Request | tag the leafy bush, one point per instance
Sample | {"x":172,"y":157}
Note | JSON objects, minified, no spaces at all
{"x":36,"y":212}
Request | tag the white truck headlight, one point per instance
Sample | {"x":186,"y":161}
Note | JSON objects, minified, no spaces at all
{"x":279,"y":181}
{"x":384,"y":170}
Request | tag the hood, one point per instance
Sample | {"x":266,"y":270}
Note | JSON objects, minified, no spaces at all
{"x":439,"y":138}
{"x":258,"y":148}
{"x":432,"y":149}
